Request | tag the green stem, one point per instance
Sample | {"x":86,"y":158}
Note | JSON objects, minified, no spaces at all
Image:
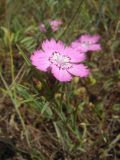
{"x":62,"y":95}
{"x":16,"y":105}
{"x":22,"y":122}
{"x":11,"y":60}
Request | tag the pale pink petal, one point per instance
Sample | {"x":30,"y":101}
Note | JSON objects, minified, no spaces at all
{"x":95,"y":38}
{"x":40,"y":60}
{"x":75,"y":44}
{"x":60,"y":47}
{"x":60,"y":74}
{"x":78,"y":47}
{"x":84,"y":38}
{"x":95,"y":47}
{"x":79,"y":70}
{"x":46,"y":45}
{"x":53,"y":46}
{"x":89,"y":38}
{"x":42,"y":28}
{"x":75,"y":55}
{"x":82,"y":48}
{"x":55,"y":24}
{"x":54,"y":28}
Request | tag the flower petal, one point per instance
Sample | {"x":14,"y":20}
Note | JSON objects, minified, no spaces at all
{"x":95,"y":47}
{"x":60,"y":74}
{"x":40,"y":60}
{"x":79,"y":70}
{"x":55,"y":24}
{"x":75,"y":55}
{"x":84,"y":38}
{"x":80,"y":47}
{"x":51,"y":45}
{"x":42,"y":27}
{"x":75,"y":44}
{"x":89,"y":38}
{"x":95,"y":38}
{"x":83,"y":47}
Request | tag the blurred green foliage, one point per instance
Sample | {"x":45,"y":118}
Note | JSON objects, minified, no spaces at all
{"x":76,"y":116}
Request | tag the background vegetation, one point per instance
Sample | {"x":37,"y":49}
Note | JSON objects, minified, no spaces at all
{"x":45,"y":120}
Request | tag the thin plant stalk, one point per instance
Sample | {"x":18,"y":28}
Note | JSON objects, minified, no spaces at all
{"x":16,"y":105}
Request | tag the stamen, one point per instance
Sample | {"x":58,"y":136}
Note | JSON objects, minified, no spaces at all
{"x":61,"y":61}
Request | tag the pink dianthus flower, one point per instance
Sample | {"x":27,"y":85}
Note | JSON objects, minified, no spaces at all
{"x":87,"y":43}
{"x":54,"y":24}
{"x":63,"y":62}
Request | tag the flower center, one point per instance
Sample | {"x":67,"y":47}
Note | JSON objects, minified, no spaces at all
{"x":61,"y":61}
{"x":86,"y":44}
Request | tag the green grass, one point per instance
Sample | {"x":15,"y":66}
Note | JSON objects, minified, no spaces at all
{"x":77,"y":120}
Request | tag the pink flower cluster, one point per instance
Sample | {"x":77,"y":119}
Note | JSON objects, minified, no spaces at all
{"x":54,"y":24}
{"x":64,"y":61}
{"x":87,"y":43}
